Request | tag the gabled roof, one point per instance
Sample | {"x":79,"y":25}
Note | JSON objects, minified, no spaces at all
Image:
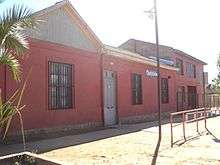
{"x":68,"y":7}
{"x":129,"y":55}
{"x":135,"y":57}
{"x":131,"y":45}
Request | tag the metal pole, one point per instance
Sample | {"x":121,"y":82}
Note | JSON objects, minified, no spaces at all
{"x":184,"y":127}
{"x":205,"y":118}
{"x":197,"y":121}
{"x":203,"y":85}
{"x":171,"y":129}
{"x":158,"y":68}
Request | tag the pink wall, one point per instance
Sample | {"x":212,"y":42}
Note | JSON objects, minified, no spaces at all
{"x":88,"y":106}
{"x":87,"y":86}
{"x":124,"y":69}
{"x":183,"y":80}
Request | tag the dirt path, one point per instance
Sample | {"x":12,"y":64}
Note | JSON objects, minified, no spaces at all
{"x":135,"y":144}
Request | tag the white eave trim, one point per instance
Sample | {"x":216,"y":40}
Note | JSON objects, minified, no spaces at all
{"x":127,"y":55}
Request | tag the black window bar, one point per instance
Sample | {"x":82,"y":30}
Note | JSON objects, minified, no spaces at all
{"x":60,"y":86}
{"x":136,"y":89}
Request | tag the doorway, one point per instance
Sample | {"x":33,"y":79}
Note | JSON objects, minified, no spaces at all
{"x":109,"y":98}
{"x":192,"y":97}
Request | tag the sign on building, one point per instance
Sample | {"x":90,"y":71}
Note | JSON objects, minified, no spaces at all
{"x":151,"y":73}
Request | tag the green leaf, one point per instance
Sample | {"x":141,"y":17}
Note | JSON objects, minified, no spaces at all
{"x":13,"y":64}
{"x":13,"y":38}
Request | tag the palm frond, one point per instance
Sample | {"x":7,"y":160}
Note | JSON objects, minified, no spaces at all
{"x":9,"y":60}
{"x":12,"y":107}
{"x":13,"y":23}
{"x":17,"y":41}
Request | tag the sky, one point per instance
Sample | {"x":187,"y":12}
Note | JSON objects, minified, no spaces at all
{"x":192,"y":26}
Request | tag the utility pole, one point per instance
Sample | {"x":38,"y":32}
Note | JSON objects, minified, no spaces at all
{"x":154,"y":11}
{"x":158,"y":68}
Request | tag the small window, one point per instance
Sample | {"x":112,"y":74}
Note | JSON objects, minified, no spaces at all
{"x":60,"y":86}
{"x":179,"y":65}
{"x":194,"y":70}
{"x":136,"y":89}
{"x":191,"y":70}
{"x":182,"y":93}
{"x":164,"y":90}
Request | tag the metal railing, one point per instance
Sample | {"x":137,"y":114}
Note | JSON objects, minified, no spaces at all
{"x":189,"y":116}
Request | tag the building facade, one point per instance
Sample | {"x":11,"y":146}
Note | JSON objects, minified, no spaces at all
{"x":190,"y":81}
{"x":77,"y":82}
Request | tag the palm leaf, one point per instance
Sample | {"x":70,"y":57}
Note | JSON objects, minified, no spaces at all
{"x":13,"y":39}
{"x":12,"y":107}
{"x":13,"y":23}
{"x":9,"y":60}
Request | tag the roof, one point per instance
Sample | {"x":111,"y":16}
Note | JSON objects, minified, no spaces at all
{"x":127,"y":55}
{"x":149,"y":49}
{"x":146,"y":49}
{"x":109,"y":50}
{"x":77,"y":18}
{"x":189,"y":56}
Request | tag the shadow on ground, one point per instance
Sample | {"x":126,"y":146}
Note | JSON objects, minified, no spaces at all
{"x":156,"y":151}
{"x":195,"y":137}
{"x":47,"y":145}
{"x":214,"y":137}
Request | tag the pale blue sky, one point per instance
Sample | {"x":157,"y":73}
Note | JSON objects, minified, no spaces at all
{"x":192,"y":26}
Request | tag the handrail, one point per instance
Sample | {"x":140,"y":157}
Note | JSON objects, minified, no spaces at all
{"x":199,"y":114}
{"x":181,"y":112}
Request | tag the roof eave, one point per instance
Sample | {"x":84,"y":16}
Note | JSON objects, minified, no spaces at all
{"x":112,"y":51}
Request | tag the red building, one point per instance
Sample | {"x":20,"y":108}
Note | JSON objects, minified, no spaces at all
{"x":190,"y":83}
{"x":190,"y":80}
{"x":77,"y":82}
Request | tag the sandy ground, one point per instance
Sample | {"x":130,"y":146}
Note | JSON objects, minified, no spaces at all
{"x":136,"y":144}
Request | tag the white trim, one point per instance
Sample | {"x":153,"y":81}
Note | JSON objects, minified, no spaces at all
{"x":124,"y":54}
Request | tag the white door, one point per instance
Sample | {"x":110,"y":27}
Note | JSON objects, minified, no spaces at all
{"x":109,"y":98}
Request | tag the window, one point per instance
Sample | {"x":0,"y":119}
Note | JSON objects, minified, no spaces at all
{"x":60,"y":86}
{"x":181,"y":93}
{"x":194,"y":71}
{"x":164,"y":90}
{"x":191,"y":70}
{"x":179,"y":65}
{"x":136,"y":89}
